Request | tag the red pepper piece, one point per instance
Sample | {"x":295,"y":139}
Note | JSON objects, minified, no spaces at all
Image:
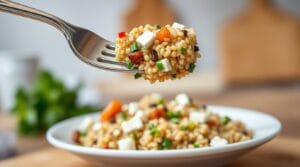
{"x":136,"y":57}
{"x":122,"y":34}
{"x":212,"y":123}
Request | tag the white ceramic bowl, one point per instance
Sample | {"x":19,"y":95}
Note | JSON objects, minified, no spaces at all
{"x":264,"y":126}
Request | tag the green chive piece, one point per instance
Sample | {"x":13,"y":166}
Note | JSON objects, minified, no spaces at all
{"x":161,"y":101}
{"x":153,"y":130}
{"x":137,"y":76}
{"x":82,"y":134}
{"x":123,"y":115}
{"x":183,"y":50}
{"x":196,"y":145}
{"x":166,"y":144}
{"x":225,"y":120}
{"x":175,"y":120}
{"x":157,"y":26}
{"x":134,"y":47}
{"x":171,"y":115}
{"x":133,"y":136}
{"x":130,"y":65}
{"x":183,"y":127}
{"x":173,"y":75}
{"x":192,"y":67}
{"x":160,"y":66}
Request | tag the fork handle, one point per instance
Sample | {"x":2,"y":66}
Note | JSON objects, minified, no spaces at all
{"x":25,"y":11}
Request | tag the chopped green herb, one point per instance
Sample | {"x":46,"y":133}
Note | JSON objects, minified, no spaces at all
{"x":130,"y":65}
{"x":161,"y":102}
{"x":191,"y":125}
{"x":192,"y":67}
{"x":175,"y":120}
{"x":160,"y":66}
{"x":133,"y":136}
{"x":153,"y":130}
{"x":183,"y":50}
{"x":173,"y":75}
{"x":166,"y":143}
{"x":184,"y":127}
{"x":123,"y":115}
{"x":137,"y":76}
{"x":225,"y":120}
{"x":82,"y":134}
{"x":171,"y":115}
{"x":158,"y":26}
{"x":196,"y":145}
{"x":134,"y":47}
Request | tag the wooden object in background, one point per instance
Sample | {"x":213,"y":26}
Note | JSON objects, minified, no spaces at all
{"x":148,"y":12}
{"x":262,"y":44}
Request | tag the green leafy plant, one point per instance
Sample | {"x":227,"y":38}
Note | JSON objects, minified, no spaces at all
{"x":48,"y":102}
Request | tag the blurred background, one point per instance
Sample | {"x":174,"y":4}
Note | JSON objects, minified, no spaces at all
{"x":250,"y":58}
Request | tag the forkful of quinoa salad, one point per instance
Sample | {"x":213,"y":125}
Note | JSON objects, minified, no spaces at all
{"x":160,"y":53}
{"x":153,"y":52}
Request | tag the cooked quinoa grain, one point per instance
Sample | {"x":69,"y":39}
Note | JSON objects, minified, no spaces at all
{"x":153,"y":123}
{"x":161,"y":53}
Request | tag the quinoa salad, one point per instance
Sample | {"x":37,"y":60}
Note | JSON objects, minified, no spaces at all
{"x":154,"y":123}
{"x":161,"y":53}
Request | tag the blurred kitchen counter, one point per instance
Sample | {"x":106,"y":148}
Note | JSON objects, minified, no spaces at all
{"x":281,"y":101}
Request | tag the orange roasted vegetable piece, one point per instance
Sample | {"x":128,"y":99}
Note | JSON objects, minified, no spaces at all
{"x":111,"y":110}
{"x":163,"y":33}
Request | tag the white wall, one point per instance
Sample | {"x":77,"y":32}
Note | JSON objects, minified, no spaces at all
{"x":103,"y":17}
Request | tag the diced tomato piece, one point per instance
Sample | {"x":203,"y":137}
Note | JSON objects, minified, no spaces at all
{"x":122,"y":34}
{"x":212,"y":123}
{"x":136,"y":57}
{"x":157,"y":113}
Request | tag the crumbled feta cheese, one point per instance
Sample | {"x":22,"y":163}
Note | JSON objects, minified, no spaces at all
{"x":139,"y":114}
{"x":218,"y":141}
{"x":134,"y":123}
{"x":182,"y":100}
{"x":166,"y":65}
{"x":177,"y":25}
{"x":97,"y":126}
{"x":198,"y":116}
{"x":146,"y":39}
{"x":86,"y":124}
{"x":133,"y":108}
{"x":126,"y":144}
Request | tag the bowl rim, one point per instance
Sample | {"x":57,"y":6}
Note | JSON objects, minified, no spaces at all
{"x":158,"y":154}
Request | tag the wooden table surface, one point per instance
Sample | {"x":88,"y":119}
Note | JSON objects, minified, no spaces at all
{"x":282,"y":102}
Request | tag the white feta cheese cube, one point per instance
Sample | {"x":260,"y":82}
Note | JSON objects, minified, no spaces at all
{"x":218,"y":141}
{"x":97,"y":126}
{"x":178,"y":26}
{"x":133,"y":108}
{"x":198,"y":116}
{"x":146,"y":39}
{"x":182,"y":100}
{"x":139,"y":114}
{"x":134,"y":123}
{"x":166,"y":66}
{"x":126,"y":144}
{"x":86,"y":124}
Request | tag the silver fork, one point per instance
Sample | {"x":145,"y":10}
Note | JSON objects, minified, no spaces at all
{"x":87,"y":46}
